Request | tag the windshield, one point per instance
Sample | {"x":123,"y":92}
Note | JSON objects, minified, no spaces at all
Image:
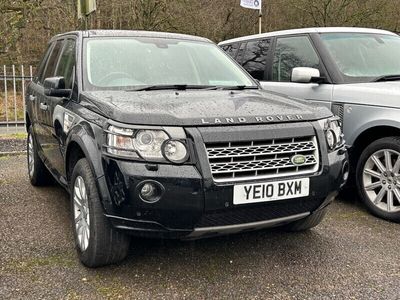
{"x":364,"y":57}
{"x":129,"y":63}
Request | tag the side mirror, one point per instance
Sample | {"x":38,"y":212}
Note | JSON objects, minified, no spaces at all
{"x":55,"y":87}
{"x":306,"y":75}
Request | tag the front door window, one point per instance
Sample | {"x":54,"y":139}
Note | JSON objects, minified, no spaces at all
{"x":292,"y":52}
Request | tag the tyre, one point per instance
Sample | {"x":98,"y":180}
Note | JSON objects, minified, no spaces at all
{"x":308,"y":222}
{"x":378,"y":178}
{"x":37,"y":171}
{"x":97,"y":242}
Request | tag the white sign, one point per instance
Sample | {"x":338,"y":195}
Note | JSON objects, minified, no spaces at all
{"x":253,"y":4}
{"x":85,"y":7}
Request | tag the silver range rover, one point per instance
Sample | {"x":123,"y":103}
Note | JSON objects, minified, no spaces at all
{"x":356,"y":73}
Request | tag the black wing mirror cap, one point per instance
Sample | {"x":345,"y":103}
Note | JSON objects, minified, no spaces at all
{"x":55,"y":87}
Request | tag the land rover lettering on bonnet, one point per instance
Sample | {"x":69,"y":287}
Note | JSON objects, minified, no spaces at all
{"x":163,"y":135}
{"x":257,"y":119}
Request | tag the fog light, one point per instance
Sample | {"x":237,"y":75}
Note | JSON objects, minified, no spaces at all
{"x":150,"y":191}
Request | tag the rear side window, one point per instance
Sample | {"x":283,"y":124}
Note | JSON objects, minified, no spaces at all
{"x":239,"y":56}
{"x":67,"y":62}
{"x":292,"y":52}
{"x":42,"y":64}
{"x":255,"y":58}
{"x":52,"y":61}
{"x":231,"y":49}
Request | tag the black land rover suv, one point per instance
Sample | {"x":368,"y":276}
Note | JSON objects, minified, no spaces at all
{"x":164,"y":135}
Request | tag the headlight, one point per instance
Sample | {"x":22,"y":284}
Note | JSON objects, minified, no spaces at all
{"x":330,"y":138}
{"x":175,"y":151}
{"x":119,"y":142}
{"x":148,"y":143}
{"x":333,"y":133}
{"x":151,"y":145}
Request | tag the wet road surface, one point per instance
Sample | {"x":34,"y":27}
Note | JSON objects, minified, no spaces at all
{"x":351,"y":255}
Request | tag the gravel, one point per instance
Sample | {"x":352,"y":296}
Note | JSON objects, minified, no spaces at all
{"x":12,"y":145}
{"x":351,"y":255}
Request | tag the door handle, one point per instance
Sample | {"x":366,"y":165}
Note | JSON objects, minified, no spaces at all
{"x":32,"y":98}
{"x":43,"y":106}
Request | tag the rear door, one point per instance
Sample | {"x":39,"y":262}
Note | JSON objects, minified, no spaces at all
{"x":296,"y":51}
{"x":43,"y":112}
{"x":33,"y":89}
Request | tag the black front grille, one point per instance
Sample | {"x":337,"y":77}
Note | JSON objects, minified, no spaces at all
{"x":257,"y":213}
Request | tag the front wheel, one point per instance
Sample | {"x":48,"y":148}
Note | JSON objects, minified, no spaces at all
{"x":378,"y":178}
{"x":97,"y":242}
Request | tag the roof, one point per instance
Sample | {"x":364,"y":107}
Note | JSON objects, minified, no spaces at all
{"x":136,"y":33}
{"x":309,"y":30}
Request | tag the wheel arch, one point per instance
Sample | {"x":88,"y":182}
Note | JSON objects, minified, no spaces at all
{"x":370,"y":135}
{"x":73,"y":155}
{"x":81,"y":144}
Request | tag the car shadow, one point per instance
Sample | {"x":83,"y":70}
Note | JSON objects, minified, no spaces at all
{"x":246,"y":250}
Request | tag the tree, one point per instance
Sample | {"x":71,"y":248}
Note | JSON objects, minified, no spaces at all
{"x":27,"y":25}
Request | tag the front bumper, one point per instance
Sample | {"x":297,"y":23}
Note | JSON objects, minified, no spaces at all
{"x":193,"y":206}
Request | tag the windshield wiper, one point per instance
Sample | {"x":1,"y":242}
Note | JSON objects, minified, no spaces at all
{"x":387,"y":78}
{"x":233,"y":87}
{"x":183,"y":87}
{"x":160,"y":87}
{"x":180,"y":87}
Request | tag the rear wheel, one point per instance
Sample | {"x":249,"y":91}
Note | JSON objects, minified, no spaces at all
{"x":378,"y":178}
{"x":308,"y":222}
{"x":37,"y":171}
{"x":97,"y":242}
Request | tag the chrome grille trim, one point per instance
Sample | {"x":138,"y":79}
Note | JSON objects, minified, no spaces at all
{"x":239,"y":161}
{"x":259,"y":150}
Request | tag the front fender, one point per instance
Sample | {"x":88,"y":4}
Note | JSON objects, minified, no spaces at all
{"x":84,"y":134}
{"x":359,"y":118}
{"x":89,"y":138}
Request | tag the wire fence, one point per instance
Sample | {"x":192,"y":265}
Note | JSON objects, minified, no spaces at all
{"x":13,"y":82}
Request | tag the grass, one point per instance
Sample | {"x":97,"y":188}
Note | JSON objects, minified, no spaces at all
{"x":7,"y":156}
{"x":30,"y":264}
{"x":14,"y":136}
{"x":14,"y":105}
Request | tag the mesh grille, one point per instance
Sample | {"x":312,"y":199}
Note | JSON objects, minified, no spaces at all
{"x":268,"y":211}
{"x":338,"y":110}
{"x":234,"y":161}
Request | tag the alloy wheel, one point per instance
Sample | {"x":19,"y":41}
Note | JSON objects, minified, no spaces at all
{"x":31,"y":157}
{"x":381,"y":180}
{"x":81,"y":213}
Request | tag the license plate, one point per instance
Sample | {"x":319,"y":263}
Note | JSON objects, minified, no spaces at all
{"x":271,"y":191}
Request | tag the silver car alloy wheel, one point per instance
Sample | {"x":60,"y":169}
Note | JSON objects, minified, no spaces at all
{"x":81,"y":213}
{"x":31,"y":157}
{"x":381,"y":180}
